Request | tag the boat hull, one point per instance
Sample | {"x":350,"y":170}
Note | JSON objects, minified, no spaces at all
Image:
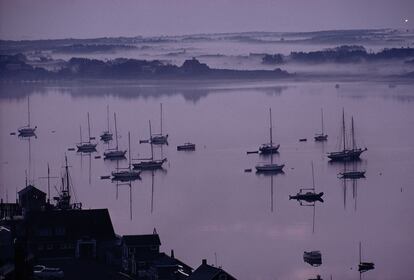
{"x":159,"y":139}
{"x":125,"y":175}
{"x":352,"y":175}
{"x":106,"y":136}
{"x":308,"y":197}
{"x":86,"y":147}
{"x":267,"y":149}
{"x":115,"y":154}
{"x":149,"y":165}
{"x":321,"y":137}
{"x":186,"y":147}
{"x":269,"y":168}
{"x":27,"y":131}
{"x":346,"y":155}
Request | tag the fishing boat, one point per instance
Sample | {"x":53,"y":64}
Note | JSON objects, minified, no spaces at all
{"x":309,"y":196}
{"x":314,"y":258}
{"x":88,"y":146}
{"x":347,"y":154}
{"x":27,"y":130}
{"x":364,"y":266}
{"x":126,"y":174}
{"x":106,"y":136}
{"x":319,"y":137}
{"x":63,"y":200}
{"x":115,"y":153}
{"x":186,"y":147}
{"x":270,"y":167}
{"x":150,"y":163}
{"x":159,"y":139}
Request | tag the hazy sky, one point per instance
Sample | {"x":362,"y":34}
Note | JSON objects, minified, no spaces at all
{"x":34,"y":19}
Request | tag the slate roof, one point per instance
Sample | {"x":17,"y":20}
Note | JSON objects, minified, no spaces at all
{"x":31,"y":188}
{"x":143,"y":240}
{"x":93,"y":223}
{"x":208,"y":272}
{"x":165,"y":260}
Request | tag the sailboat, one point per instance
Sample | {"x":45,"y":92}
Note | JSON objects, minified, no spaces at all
{"x":151,"y":163}
{"x":314,"y":258}
{"x":269,"y":148}
{"x":319,"y":137}
{"x":27,"y":130}
{"x":311,"y":195}
{"x":106,"y":136}
{"x":364,"y":266}
{"x":63,"y":200}
{"x":88,"y":146}
{"x":115,"y":153}
{"x":270,"y":167}
{"x":159,"y":139}
{"x":126,"y":174}
{"x":347,"y":154}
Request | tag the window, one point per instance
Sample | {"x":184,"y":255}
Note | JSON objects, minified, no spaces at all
{"x":49,"y":246}
{"x":223,"y":276}
{"x":40,"y":247}
{"x":154,"y":248}
{"x":60,"y":231}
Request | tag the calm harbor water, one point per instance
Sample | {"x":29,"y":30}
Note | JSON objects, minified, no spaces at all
{"x":203,"y":203}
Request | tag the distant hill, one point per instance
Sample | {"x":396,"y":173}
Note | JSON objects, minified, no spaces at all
{"x":17,"y":67}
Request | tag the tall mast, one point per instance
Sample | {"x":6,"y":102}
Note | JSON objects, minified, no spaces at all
{"x":48,"y":182}
{"x":322,"y":120}
{"x":67,"y":173}
{"x":271,"y":136}
{"x":89,"y":130}
{"x":152,"y":149}
{"x":161,"y":116}
{"x":107,"y":115}
{"x":152,"y":191}
{"x":116,"y":132}
{"x":28,"y":111}
{"x":360,"y":252}
{"x":343,"y":128}
{"x":313,"y":178}
{"x":352,"y":133}
{"x":80,"y":133}
{"x":129,"y":149}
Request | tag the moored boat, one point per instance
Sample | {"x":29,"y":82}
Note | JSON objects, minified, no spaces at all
{"x":186,"y":147}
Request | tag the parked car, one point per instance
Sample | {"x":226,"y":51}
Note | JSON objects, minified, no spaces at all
{"x":43,"y":272}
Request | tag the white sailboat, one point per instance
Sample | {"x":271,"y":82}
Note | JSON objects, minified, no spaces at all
{"x":27,"y":130}
{"x":88,"y":146}
{"x":269,"y":148}
{"x":106,"y":136}
{"x":159,"y":139}
{"x":319,"y":137}
{"x":151,"y":163}
{"x":347,"y":154}
{"x":126,"y":174}
{"x":270,"y":167}
{"x":115,"y":153}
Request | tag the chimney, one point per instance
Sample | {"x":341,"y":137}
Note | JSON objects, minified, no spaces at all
{"x":204,"y":262}
{"x":172,"y":253}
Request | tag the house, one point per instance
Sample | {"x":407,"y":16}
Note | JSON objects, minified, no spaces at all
{"x":9,"y":210}
{"x":31,"y":199}
{"x":138,"y":251}
{"x":168,"y":267}
{"x":70,"y":233}
{"x":209,"y":272}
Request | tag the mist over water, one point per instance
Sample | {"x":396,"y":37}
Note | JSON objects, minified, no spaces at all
{"x":203,"y":202}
